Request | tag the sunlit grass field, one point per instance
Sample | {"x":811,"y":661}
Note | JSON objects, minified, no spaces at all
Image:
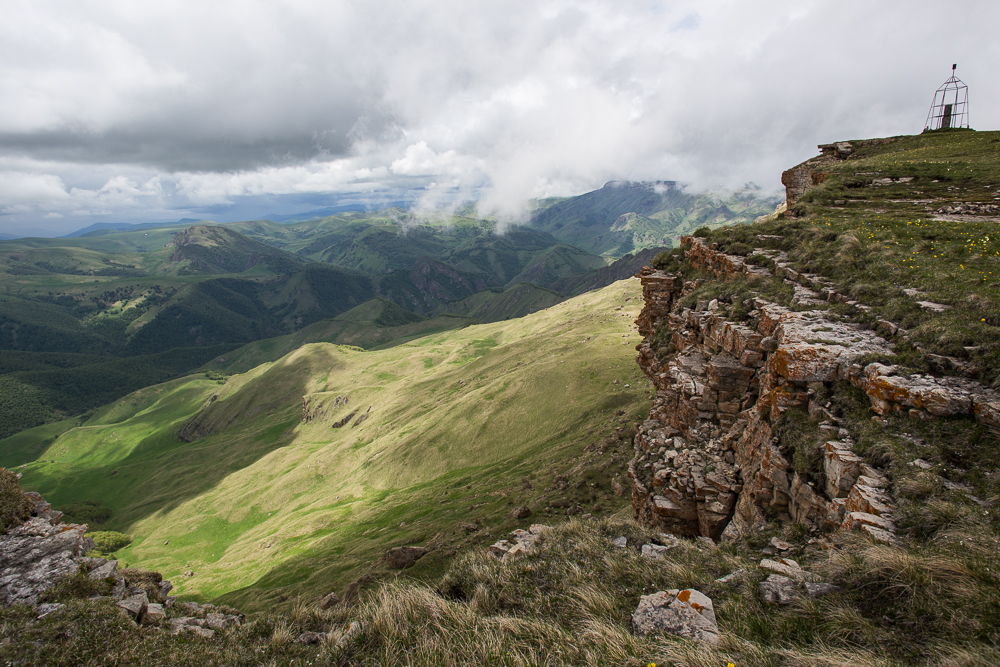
{"x":460,"y":419}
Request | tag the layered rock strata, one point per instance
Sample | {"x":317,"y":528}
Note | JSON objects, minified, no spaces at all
{"x":707,"y":461}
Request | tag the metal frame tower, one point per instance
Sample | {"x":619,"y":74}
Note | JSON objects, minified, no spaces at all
{"x":950,"y":108}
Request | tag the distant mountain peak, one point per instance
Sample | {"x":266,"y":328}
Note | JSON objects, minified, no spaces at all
{"x":643,"y":185}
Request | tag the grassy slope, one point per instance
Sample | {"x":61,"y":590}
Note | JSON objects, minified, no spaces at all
{"x":875,"y":241}
{"x":308,"y":507}
{"x":375,"y":324}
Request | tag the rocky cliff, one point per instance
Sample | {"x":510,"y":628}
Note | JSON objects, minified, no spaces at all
{"x":708,"y":460}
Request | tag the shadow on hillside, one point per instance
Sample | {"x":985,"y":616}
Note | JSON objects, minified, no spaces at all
{"x":163,"y":471}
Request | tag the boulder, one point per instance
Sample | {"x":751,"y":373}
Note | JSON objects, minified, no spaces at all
{"x":788,"y":568}
{"x":401,"y":557}
{"x":516,"y":550}
{"x":685,"y":613}
{"x":218,"y":621}
{"x":500,"y":547}
{"x":730,"y":579}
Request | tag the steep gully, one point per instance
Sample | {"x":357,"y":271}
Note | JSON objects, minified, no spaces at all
{"x":707,"y":460}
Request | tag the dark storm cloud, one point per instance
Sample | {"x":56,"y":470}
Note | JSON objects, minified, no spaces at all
{"x":173,"y":149}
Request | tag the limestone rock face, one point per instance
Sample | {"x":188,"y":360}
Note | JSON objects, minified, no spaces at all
{"x":686,"y":613}
{"x":36,"y":554}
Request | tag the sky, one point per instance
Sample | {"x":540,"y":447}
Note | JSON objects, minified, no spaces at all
{"x":142,"y":112}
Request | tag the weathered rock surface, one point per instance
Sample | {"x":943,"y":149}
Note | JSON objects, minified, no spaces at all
{"x":778,"y":589}
{"x":402,"y":557}
{"x":686,"y":613}
{"x":134,"y":606}
{"x":707,"y":461}
{"x":36,"y":554}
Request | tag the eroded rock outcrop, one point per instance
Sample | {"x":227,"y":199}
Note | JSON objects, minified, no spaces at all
{"x":38,"y":553}
{"x":707,"y":461}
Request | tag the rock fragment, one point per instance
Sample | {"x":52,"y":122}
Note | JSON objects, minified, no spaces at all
{"x":398,"y":558}
{"x":777,"y":589}
{"x":685,"y":613}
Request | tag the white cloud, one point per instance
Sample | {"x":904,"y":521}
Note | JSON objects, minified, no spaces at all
{"x":221,"y":102}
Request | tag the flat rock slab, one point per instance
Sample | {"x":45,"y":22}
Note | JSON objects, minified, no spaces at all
{"x":685,"y":613}
{"x":104,"y":571}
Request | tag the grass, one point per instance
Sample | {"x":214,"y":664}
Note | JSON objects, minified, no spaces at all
{"x":569,"y":602}
{"x":264,"y":507}
{"x":881,"y":240}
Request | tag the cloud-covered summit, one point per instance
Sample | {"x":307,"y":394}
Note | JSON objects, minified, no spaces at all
{"x":139,"y":111}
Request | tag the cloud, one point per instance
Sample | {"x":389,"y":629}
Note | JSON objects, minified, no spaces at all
{"x":229,"y":103}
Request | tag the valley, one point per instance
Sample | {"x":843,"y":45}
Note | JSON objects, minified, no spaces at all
{"x":87,"y":319}
{"x":298,"y":473}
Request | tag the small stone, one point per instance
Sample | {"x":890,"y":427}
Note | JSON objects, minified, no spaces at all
{"x":154,"y":614}
{"x":780,"y":545}
{"x":777,"y":589}
{"x":469,"y":527}
{"x":44,"y":610}
{"x":328,"y":600}
{"x":815,"y":590}
{"x":312,"y":638}
{"x":730,"y":578}
{"x":520,"y":512}
{"x":620,"y":542}
{"x":402,"y":557}
{"x":920,"y":463}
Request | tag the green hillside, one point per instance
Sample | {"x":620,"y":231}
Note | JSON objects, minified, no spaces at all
{"x":373,"y":325}
{"x":496,"y":304}
{"x":299,"y":474}
{"x":625,"y":217}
